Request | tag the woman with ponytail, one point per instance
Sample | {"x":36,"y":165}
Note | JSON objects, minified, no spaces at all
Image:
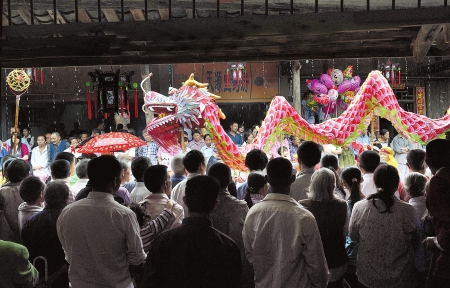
{"x":257,"y":189}
{"x":387,"y":230}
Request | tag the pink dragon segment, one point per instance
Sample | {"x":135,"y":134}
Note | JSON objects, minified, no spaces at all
{"x":374,"y":98}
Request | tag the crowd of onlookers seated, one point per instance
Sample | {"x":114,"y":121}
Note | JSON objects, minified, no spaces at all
{"x":186,"y":222}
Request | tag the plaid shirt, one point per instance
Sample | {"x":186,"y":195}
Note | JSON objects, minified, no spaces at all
{"x":150,"y":150}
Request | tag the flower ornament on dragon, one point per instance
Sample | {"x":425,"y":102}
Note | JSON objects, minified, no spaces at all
{"x":193,"y":106}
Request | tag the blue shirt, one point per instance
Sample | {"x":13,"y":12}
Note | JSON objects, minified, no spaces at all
{"x":236,"y":139}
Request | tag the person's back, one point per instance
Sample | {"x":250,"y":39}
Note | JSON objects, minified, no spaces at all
{"x":308,"y":156}
{"x":31,"y":191}
{"x":368,"y":162}
{"x":138,"y":167}
{"x":281,"y":238}
{"x":157,"y":180}
{"x":40,"y":237}
{"x":194,"y":254}
{"x":256,"y":161}
{"x":17,"y":170}
{"x":99,"y":236}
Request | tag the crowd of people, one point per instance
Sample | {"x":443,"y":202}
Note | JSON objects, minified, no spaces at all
{"x":303,"y":215}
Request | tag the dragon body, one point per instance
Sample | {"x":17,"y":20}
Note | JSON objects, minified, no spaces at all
{"x":193,"y":106}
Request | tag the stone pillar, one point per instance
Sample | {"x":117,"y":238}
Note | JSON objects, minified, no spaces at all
{"x":296,"y":91}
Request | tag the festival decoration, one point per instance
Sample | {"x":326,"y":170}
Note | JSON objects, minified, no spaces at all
{"x":111,"y":92}
{"x":136,"y":105}
{"x":89,"y":108}
{"x":336,"y":88}
{"x":192,"y":106}
{"x":110,"y":142}
{"x":236,"y":75}
{"x":18,"y":82}
{"x":392,"y":72}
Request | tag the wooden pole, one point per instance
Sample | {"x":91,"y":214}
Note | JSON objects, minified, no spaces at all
{"x":281,"y":145}
{"x":372,"y":129}
{"x":16,"y":127}
{"x":183,"y":148}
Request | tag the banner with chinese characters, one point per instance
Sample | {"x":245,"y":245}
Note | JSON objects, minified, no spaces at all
{"x":420,"y":100}
{"x":233,"y":81}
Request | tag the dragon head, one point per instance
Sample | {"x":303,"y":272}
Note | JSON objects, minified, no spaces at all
{"x":183,"y":108}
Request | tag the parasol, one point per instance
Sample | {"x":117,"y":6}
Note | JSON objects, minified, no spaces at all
{"x":111,"y":142}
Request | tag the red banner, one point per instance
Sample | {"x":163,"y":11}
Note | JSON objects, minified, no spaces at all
{"x":420,"y":100}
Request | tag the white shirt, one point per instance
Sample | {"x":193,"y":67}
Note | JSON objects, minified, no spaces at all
{"x":178,"y":193}
{"x":38,"y":158}
{"x":155,"y":204}
{"x":419,"y":205}
{"x":138,"y":193}
{"x":80,"y":184}
{"x":282,"y":241}
{"x":100,"y":238}
{"x":367,"y":186}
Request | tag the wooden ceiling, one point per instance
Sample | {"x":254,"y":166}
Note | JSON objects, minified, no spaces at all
{"x":158,"y":32}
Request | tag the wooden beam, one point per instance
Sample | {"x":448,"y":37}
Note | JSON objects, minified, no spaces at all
{"x":26,"y":16}
{"x":5,"y":20}
{"x":83,"y":16}
{"x":426,"y":36}
{"x":137,"y":14}
{"x":60,"y":18}
{"x":111,"y":15}
{"x":443,"y":38}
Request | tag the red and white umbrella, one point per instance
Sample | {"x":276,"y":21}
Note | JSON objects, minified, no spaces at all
{"x":111,"y":142}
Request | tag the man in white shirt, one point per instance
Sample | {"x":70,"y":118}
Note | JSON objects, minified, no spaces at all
{"x":99,"y":236}
{"x":308,"y":156}
{"x":281,"y":238}
{"x":138,"y":168}
{"x":60,"y":170}
{"x":81,"y":171}
{"x":401,"y":147}
{"x":194,"y":163}
{"x":368,"y":162}
{"x":157,"y":181}
{"x":39,"y":159}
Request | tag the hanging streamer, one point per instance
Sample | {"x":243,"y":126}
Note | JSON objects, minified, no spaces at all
{"x":136,"y":108}
{"x":89,"y":108}
{"x":121,"y":100}
{"x":41,"y":74}
{"x":95,"y":102}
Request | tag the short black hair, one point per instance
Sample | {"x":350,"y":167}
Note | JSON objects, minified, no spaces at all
{"x":196,"y":131}
{"x":192,"y":160}
{"x":256,"y":160}
{"x":232,"y":122}
{"x":279,"y":173}
{"x":437,"y":153}
{"x":222,"y":173}
{"x":119,"y":126}
{"x":96,"y":130}
{"x":56,"y":193}
{"x":60,"y":169}
{"x":139,"y":166}
{"x":154,"y":177}
{"x":416,"y":158}
{"x":309,"y":153}
{"x":66,"y":156}
{"x":30,"y":189}
{"x":201,"y":193}
{"x":206,"y":135}
{"x":81,"y":169}
{"x":329,"y":160}
{"x":369,"y":161}
{"x":17,"y":170}
{"x":102,"y":171}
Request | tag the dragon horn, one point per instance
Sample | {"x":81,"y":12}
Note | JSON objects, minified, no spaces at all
{"x":192,"y":82}
{"x":214,"y":96}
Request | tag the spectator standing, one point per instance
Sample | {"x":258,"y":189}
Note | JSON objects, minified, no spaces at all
{"x":197,"y":142}
{"x":294,"y":143}
{"x":31,"y":190}
{"x":81,"y":171}
{"x":157,"y":181}
{"x":387,"y":230}
{"x":438,"y":203}
{"x":208,"y":150}
{"x":401,"y":147}
{"x":93,"y":261}
{"x":194,"y":254}
{"x":346,"y":158}
{"x":17,"y":171}
{"x":257,"y":189}
{"x":150,"y":150}
{"x":308,"y":156}
{"x":60,"y":170}
{"x":256,"y":161}
{"x":194,"y":162}
{"x":332,"y":218}
{"x":364,"y":140}
{"x":138,"y":168}
{"x":368,"y":162}
{"x":235,"y":137}
{"x":229,"y":216}
{"x":125,"y":175}
{"x":296,"y":259}
{"x":40,"y":237}
{"x":415,"y":161}
{"x":178,"y":170}
{"x":27,"y":135}
{"x":414,"y":185}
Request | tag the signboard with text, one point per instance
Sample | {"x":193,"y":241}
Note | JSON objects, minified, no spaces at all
{"x":420,"y":100}
{"x":233,"y":81}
